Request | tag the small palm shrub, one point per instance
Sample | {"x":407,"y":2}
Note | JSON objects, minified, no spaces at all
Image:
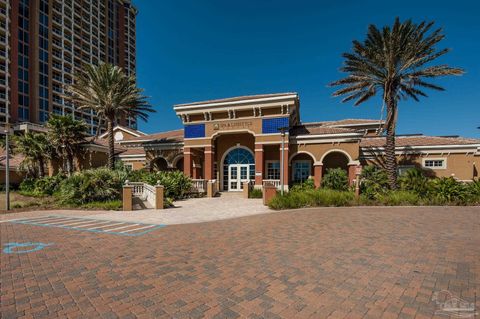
{"x":335,"y":178}
{"x":91,"y":185}
{"x":373,"y":182}
{"x":308,"y":184}
{"x":27,"y":186}
{"x":42,"y":186}
{"x":414,"y":180}
{"x":177,"y":185}
{"x":473,"y":189}
{"x":255,"y":193}
{"x":446,"y":190}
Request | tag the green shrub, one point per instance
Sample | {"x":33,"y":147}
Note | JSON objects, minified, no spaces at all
{"x":447,"y":190}
{"x":473,"y":189}
{"x":177,"y":185}
{"x":255,"y":193}
{"x":27,"y":186}
{"x":116,"y":204}
{"x":91,"y":185}
{"x":399,"y":198}
{"x":373,"y":182}
{"x":329,"y":197}
{"x":48,"y":185}
{"x":335,"y":178}
{"x":312,"y":198}
{"x":308,"y":184}
{"x":414,"y":180}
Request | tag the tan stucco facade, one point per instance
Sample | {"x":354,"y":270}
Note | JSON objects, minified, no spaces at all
{"x":252,"y":126}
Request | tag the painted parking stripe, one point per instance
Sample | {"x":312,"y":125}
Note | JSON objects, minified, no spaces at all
{"x":91,"y":224}
{"x":80,"y":224}
{"x":130,"y":230}
{"x":41,"y":218}
{"x":105,"y":226}
{"x":77,"y":223}
{"x":131,"y":225}
{"x":65,"y":222}
{"x":47,"y":219}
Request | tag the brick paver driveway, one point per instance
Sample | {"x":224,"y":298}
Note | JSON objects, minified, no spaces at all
{"x":318,"y":263}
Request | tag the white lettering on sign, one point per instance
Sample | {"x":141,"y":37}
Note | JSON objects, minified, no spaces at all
{"x":232,"y":125}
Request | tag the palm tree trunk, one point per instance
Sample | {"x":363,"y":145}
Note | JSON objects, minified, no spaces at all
{"x":69,"y":164}
{"x":41,"y":167}
{"x":390,"y":158}
{"x":111,"y":147}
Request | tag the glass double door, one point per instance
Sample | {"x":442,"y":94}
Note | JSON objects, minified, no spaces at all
{"x":237,"y":175}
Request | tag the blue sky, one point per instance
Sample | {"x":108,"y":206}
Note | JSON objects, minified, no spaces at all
{"x":196,"y":50}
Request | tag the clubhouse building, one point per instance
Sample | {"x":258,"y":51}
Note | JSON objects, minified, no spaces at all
{"x":239,"y":139}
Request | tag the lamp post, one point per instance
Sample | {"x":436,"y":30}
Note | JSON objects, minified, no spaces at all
{"x":7,"y":117}
{"x":282,"y":158}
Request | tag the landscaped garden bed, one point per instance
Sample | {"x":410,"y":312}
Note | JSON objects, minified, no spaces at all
{"x":99,"y":188}
{"x":415,"y":188}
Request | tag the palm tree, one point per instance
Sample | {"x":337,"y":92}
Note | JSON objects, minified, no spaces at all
{"x":396,"y":62}
{"x":35,"y":148}
{"x":112,"y":94}
{"x":66,"y":135}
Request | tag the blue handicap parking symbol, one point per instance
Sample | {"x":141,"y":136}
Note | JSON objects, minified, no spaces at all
{"x":13,"y":248}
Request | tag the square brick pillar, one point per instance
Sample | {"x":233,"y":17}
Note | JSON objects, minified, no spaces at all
{"x":187,"y":162}
{"x":352,"y":169}
{"x":317,"y":175}
{"x":258,"y":165}
{"x":209,"y":160}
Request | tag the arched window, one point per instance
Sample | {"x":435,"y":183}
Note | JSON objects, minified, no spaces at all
{"x":238,"y":156}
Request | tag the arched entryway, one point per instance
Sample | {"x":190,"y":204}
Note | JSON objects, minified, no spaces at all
{"x":301,"y":167}
{"x":178,"y":163}
{"x":335,"y":159}
{"x":158,"y":164}
{"x":238,"y":167}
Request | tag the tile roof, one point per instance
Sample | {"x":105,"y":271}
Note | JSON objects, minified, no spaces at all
{"x":134,"y":151}
{"x":418,"y":140}
{"x":318,"y":130}
{"x":346,"y":122}
{"x":174,"y":136}
{"x":239,"y":98}
{"x":15,"y":160}
{"x":330,"y":127}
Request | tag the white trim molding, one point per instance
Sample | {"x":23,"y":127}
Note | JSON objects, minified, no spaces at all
{"x":433,"y":160}
{"x":350,"y":160}
{"x":302,"y":152}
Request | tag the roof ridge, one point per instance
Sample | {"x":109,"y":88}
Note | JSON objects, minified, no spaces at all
{"x":236,"y":98}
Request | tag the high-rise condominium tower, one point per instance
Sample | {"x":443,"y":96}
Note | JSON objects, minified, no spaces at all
{"x":45,"y":43}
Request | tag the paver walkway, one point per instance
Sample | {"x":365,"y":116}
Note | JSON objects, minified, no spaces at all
{"x":319,"y":263}
{"x":195,"y":210}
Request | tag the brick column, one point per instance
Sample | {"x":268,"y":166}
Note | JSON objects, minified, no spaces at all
{"x":259,"y":165}
{"x":209,"y":168}
{"x":187,"y":162}
{"x":317,"y":175}
{"x":352,"y":168}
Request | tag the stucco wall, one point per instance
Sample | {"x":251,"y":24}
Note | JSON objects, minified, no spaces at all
{"x":460,"y":166}
{"x":317,"y":151}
